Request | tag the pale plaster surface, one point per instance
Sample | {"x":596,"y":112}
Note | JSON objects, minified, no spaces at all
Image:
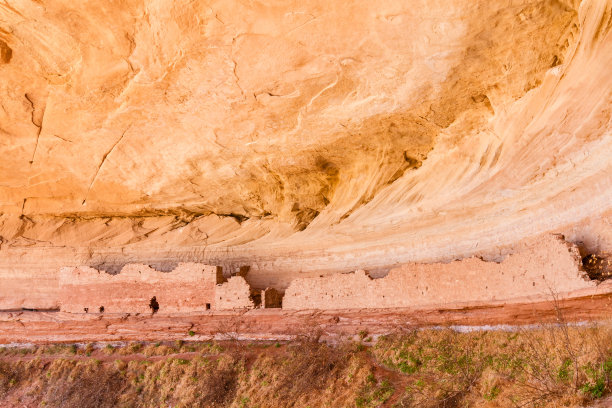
{"x":234,"y":294}
{"x":550,"y":268}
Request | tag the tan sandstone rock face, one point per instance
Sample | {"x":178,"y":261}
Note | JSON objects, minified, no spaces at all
{"x":299,"y":137}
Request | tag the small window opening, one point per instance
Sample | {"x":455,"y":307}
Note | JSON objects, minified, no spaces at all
{"x":86,"y":309}
{"x":208,"y":306}
{"x":101,"y":309}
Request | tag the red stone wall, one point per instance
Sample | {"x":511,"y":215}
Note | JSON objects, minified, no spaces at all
{"x":188,"y":288}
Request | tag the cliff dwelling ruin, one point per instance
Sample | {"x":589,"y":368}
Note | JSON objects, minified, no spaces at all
{"x":140,"y":289}
{"x":171,"y":159}
{"x":546,"y":269}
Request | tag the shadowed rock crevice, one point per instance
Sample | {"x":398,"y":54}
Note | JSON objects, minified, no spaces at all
{"x":598,"y":267}
{"x":6,"y":53}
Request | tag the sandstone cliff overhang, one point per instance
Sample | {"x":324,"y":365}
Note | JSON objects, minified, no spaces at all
{"x":302,"y":136}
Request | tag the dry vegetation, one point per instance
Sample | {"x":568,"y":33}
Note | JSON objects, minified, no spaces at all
{"x":547,"y":367}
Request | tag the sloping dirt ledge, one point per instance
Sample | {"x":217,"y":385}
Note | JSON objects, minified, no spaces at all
{"x":277,"y":324}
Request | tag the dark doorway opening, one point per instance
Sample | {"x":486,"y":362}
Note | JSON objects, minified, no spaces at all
{"x":208,"y":306}
{"x":598,"y":267}
{"x":154,"y":305}
{"x":101,"y":309}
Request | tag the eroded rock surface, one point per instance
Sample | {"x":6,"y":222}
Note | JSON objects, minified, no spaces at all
{"x":301,"y":138}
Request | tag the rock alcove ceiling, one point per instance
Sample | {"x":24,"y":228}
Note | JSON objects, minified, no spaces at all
{"x":300,"y":136}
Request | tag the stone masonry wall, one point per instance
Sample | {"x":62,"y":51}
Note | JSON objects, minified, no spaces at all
{"x":545,"y":265}
{"x":234,"y":294}
{"x":551,"y":265}
{"x":190,"y":287}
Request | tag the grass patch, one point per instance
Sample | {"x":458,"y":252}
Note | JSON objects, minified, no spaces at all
{"x":551,"y":366}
